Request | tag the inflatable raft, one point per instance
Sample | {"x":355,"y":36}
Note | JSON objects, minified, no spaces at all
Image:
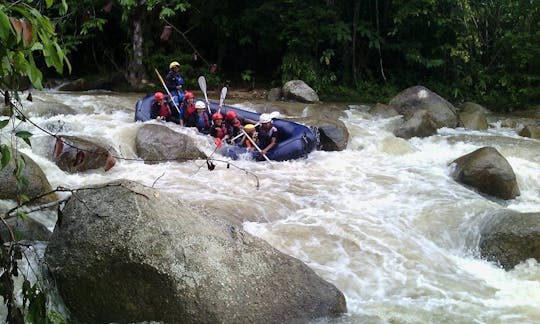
{"x":294,"y":140}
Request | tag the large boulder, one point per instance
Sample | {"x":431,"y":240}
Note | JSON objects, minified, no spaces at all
{"x":473,"y":120}
{"x":530,"y":131}
{"x":487,"y":171}
{"x":472,"y":107}
{"x":417,"y":98}
{"x":75,"y":154}
{"x":511,"y":237}
{"x":298,"y":90}
{"x":383,"y":111}
{"x":127,"y":253}
{"x":420,"y":124}
{"x":155,"y":143}
{"x":36,"y":185}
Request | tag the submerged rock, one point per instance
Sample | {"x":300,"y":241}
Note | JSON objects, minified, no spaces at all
{"x":488,"y":171}
{"x":127,"y":253}
{"x":511,"y":237}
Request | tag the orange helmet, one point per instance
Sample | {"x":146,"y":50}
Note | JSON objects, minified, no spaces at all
{"x":158,"y":96}
{"x":217,"y":116}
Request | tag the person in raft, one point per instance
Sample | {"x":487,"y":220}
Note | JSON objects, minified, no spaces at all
{"x":245,"y":142}
{"x":218,"y":130}
{"x":187,"y":108}
{"x":175,"y":82}
{"x":200,"y":119}
{"x":234,"y":123}
{"x":267,"y":134}
{"x":162,"y":111}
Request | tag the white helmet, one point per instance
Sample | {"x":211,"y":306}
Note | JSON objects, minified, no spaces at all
{"x":200,"y":105}
{"x":265,"y":118}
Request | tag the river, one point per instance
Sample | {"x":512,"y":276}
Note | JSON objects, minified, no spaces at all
{"x":382,"y":220}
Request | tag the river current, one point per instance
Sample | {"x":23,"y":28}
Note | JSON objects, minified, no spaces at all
{"x":382,"y":220}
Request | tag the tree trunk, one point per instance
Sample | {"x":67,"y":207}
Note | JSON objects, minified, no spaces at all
{"x":136,"y":74}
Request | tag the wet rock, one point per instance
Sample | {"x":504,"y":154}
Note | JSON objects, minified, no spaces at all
{"x":475,"y":120}
{"x":510,"y":237}
{"x":75,"y":85}
{"x":298,"y":90}
{"x":420,"y":124}
{"x":530,"y":131}
{"x":74,"y":154}
{"x":418,"y":98}
{"x":156,"y":143}
{"x":471,"y":107}
{"x":383,"y":111}
{"x":274,"y":94}
{"x":487,"y":171}
{"x":333,"y":134}
{"x":37,"y":183}
{"x":127,"y":253}
{"x":47,"y":109}
{"x":27,"y":229}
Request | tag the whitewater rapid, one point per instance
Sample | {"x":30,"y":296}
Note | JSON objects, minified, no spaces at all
{"x":382,"y":220}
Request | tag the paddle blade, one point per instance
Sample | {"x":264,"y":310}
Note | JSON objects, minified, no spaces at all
{"x":223,"y":95}
{"x":202,"y":83}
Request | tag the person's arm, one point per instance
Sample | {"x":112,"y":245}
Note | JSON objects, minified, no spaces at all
{"x":269,"y":146}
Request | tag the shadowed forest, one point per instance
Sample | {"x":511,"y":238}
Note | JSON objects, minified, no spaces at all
{"x":487,"y":51}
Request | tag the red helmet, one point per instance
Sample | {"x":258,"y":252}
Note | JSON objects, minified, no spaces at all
{"x":189,"y":95}
{"x":230,"y":115}
{"x":217,"y":116}
{"x":158,"y":96}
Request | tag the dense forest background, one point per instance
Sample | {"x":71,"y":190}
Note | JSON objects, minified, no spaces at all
{"x":482,"y":50}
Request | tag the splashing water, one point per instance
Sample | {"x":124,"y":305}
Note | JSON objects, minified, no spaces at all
{"x":382,"y":220}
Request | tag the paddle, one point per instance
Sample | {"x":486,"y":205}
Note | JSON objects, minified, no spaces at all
{"x":222,"y":98}
{"x":169,"y":93}
{"x":255,"y":144}
{"x":273,"y":114}
{"x":202,"y":85}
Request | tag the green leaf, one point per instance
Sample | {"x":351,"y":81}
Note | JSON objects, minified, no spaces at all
{"x":25,"y":135}
{"x":5,"y":25}
{"x":6,"y":155}
{"x":3,"y":123}
{"x":22,"y":215}
{"x":49,"y":3}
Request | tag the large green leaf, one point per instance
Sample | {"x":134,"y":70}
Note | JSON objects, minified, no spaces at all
{"x":25,"y":135}
{"x":6,"y":155}
{"x":5,"y":26}
{"x":3,"y":123}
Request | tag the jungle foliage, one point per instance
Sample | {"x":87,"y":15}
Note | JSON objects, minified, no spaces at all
{"x":481,"y":50}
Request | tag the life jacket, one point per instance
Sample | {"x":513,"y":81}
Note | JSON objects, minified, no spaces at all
{"x":265,"y":136}
{"x":190,"y":109}
{"x":221,"y":131}
{"x":164,"y":110}
{"x":203,"y":122}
